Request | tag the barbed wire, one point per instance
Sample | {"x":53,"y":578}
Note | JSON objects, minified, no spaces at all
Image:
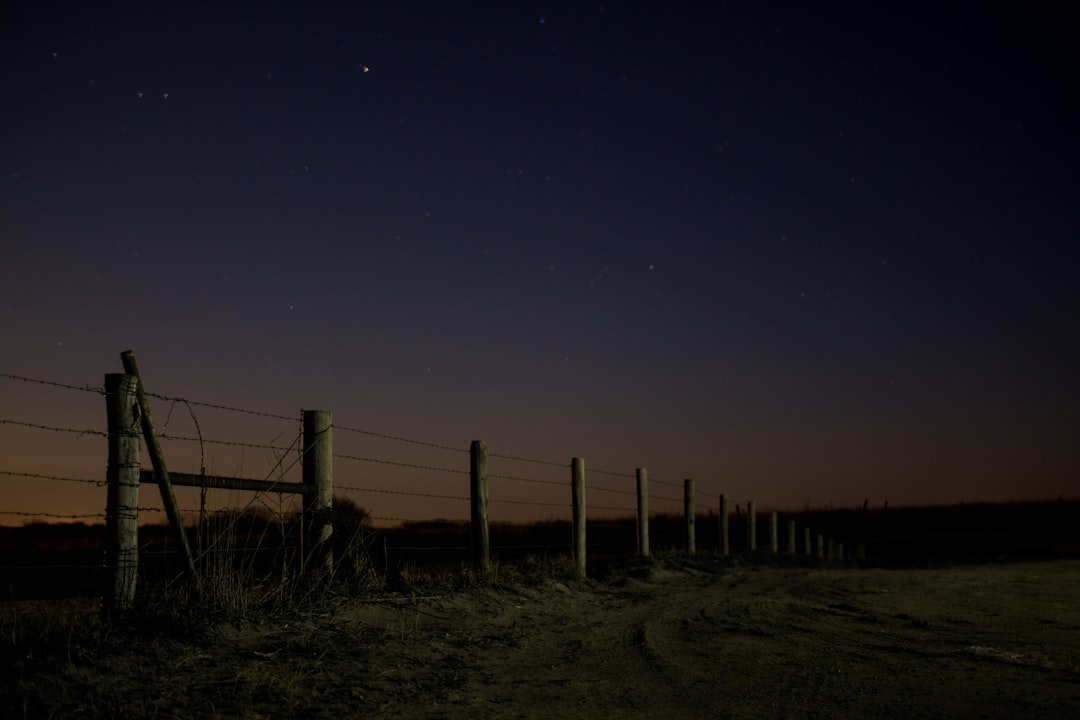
{"x":528,"y":480}
{"x":65,"y":386}
{"x":665,"y":482}
{"x":456,"y":471}
{"x":605,"y":507}
{"x":460,"y":523}
{"x":51,"y":515}
{"x":518,"y":458}
{"x":36,"y":426}
{"x":410,"y":493}
{"x":228,"y":408}
{"x":529,"y":502}
{"x":227,"y":443}
{"x":398,"y":438}
{"x":616,"y":491}
{"x":610,"y":472}
{"x":39,"y":476}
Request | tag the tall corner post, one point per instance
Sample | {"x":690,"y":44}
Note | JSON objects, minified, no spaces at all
{"x":122,"y":495}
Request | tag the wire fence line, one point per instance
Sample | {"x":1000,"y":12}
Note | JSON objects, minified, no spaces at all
{"x":40,"y":476}
{"x":456,"y":471}
{"x":53,"y":383}
{"x":225,"y":443}
{"x":284,"y":463}
{"x":408,"y":493}
{"x":60,"y":516}
{"x":51,"y":428}
{"x":398,"y":438}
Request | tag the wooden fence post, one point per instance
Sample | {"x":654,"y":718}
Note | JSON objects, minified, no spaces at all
{"x":688,"y":511}
{"x":122,"y":495}
{"x":791,"y":537}
{"x":577,"y":485}
{"x":157,"y":460}
{"x":807,"y":547}
{"x":318,"y":475}
{"x":820,"y":546}
{"x":643,"y":511}
{"x":751,"y":522}
{"x":478,"y":458}
{"x":774,"y":533}
{"x":725,"y":546}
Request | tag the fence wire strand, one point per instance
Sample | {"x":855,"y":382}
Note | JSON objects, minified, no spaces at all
{"x":35,"y":426}
{"x":409,"y":493}
{"x":39,"y":476}
{"x":398,"y":438}
{"x":20,"y":513}
{"x":65,"y":386}
{"x":456,"y":471}
{"x":518,"y":458}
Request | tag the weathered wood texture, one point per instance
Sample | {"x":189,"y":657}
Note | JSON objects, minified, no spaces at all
{"x":577,"y":484}
{"x":157,"y":460}
{"x":481,"y":548}
{"x":122,"y":495}
{"x":643,"y":511}
{"x":318,"y":476}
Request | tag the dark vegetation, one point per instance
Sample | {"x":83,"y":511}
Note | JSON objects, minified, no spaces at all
{"x":41,"y":560}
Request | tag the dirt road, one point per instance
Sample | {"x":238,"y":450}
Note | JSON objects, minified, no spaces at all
{"x":676,"y":638}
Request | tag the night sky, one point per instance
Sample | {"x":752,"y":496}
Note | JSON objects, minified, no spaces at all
{"x":805,"y":253}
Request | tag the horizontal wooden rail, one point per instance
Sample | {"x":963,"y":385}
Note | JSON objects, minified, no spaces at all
{"x":217,"y":482}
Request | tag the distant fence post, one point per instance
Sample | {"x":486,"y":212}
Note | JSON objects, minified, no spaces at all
{"x":643,"y":511}
{"x":751,"y":523}
{"x":725,"y":540}
{"x":478,"y":457}
{"x":318,"y":476}
{"x":774,"y":533}
{"x":820,"y":546}
{"x":791,"y":537}
{"x":688,"y":511}
{"x":122,"y":495}
{"x":577,"y":484}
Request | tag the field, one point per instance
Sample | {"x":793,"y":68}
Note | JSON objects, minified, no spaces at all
{"x":672,"y":637}
{"x":971,"y":619}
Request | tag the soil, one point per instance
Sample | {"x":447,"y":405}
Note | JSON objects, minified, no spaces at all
{"x":680,"y":637}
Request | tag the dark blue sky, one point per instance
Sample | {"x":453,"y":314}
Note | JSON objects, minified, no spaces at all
{"x":801,"y":252}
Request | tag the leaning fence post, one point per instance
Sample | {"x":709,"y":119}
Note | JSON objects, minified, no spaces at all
{"x":643,"y":511}
{"x":157,"y":459}
{"x":688,"y":511}
{"x":577,"y":486}
{"x":318,"y":476}
{"x":751,"y":514}
{"x":725,"y":547}
{"x":478,"y":455}
{"x":122,"y":495}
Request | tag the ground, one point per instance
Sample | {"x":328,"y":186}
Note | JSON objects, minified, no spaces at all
{"x":676,"y":638}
